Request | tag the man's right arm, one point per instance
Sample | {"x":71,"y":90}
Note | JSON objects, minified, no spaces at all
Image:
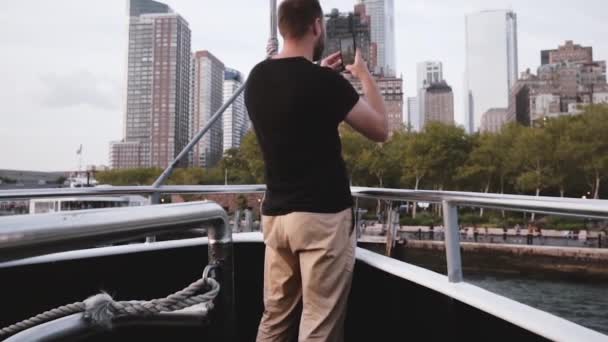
{"x":369,"y":115}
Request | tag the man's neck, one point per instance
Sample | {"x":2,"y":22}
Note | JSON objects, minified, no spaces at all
{"x":295,"y":49}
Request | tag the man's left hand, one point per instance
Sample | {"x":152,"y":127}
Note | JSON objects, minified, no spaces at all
{"x":333,"y":61}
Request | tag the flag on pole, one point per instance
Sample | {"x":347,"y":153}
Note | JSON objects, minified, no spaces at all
{"x":79,"y":151}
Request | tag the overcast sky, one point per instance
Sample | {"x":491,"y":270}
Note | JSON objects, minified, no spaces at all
{"x":62,"y":62}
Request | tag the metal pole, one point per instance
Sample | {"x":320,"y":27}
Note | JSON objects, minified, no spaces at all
{"x":165,"y":175}
{"x":452,"y":242}
{"x":273,"y":42}
{"x":273,"y":19}
{"x":220,"y":253}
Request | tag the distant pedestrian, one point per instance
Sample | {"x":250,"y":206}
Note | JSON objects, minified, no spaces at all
{"x":475,"y":234}
{"x":529,"y":236}
{"x":504,"y":234}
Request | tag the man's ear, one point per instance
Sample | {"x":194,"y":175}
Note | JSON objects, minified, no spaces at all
{"x":317,"y":27}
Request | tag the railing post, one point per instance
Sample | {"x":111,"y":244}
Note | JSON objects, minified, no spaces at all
{"x":391,"y":233}
{"x":221,"y":254}
{"x":237,"y":221}
{"x":248,"y":220}
{"x":154,"y":199}
{"x":452,"y":242}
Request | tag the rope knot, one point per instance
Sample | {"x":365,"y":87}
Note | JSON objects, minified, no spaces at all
{"x":98,"y":310}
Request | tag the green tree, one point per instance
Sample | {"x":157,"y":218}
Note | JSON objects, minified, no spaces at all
{"x":236,"y":167}
{"x":355,"y":151}
{"x":483,"y":161}
{"x":533,"y":152}
{"x":417,"y":162}
{"x":252,"y":154}
{"x":189,"y":176}
{"x":449,"y":147}
{"x":125,"y":177}
{"x":592,"y":145}
{"x":563,"y":160}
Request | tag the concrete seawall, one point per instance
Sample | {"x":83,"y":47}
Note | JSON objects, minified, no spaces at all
{"x":542,"y":261}
{"x":591,"y":255}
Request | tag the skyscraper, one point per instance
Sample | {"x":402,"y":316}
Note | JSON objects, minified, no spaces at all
{"x":207,"y":98}
{"x":382,"y":15}
{"x":391,"y":89}
{"x":158,"y":84}
{"x":439,"y":104}
{"x":491,"y":63}
{"x":236,"y":120}
{"x":428,"y":73}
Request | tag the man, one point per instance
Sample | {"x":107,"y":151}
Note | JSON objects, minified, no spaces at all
{"x":295,"y":107}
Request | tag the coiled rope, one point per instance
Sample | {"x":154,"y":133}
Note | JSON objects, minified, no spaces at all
{"x":101,"y":309}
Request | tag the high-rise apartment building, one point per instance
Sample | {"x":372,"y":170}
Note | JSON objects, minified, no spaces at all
{"x":567,"y":79}
{"x":236,"y":120}
{"x":439,"y":104}
{"x":493,"y":120}
{"x":382,"y":16}
{"x":428,"y":73}
{"x":158,"y":85}
{"x":207,"y":98}
{"x":491,"y":63}
{"x":391,"y":89}
{"x":569,"y":52}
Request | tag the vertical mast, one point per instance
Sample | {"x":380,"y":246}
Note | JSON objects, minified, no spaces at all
{"x":273,"y":43}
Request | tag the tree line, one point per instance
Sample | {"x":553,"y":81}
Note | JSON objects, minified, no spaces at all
{"x":563,"y":156}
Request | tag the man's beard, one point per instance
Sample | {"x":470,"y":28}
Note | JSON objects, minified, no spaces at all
{"x":319,"y":49}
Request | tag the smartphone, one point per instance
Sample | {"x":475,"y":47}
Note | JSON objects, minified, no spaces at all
{"x":348,"y":49}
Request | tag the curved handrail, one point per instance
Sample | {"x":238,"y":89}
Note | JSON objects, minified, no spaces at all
{"x":32,"y":235}
{"x":549,"y":205}
{"x":35,"y":235}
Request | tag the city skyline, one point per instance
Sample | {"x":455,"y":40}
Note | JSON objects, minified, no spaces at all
{"x":73,"y":94}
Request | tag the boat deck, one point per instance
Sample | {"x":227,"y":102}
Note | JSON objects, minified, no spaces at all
{"x":390,"y":300}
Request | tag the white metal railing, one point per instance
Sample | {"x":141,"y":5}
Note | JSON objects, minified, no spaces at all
{"x":597,"y":209}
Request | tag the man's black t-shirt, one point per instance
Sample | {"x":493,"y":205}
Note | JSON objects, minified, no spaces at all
{"x":295,"y":107}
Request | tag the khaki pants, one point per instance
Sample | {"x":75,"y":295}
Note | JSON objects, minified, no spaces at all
{"x":309,"y":258}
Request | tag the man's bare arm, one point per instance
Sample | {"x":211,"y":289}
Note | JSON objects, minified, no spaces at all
{"x":369,"y":116}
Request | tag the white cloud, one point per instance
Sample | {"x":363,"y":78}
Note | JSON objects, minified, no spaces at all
{"x":79,"y":88}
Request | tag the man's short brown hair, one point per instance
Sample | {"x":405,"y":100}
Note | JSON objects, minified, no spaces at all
{"x":296,"y":17}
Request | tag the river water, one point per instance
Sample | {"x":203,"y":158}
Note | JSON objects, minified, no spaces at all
{"x":582,"y":303}
{"x":580,"y":300}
